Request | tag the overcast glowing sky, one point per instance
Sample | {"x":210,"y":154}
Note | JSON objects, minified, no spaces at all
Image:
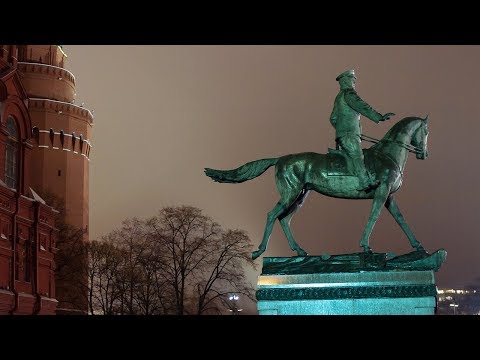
{"x":163,"y":113}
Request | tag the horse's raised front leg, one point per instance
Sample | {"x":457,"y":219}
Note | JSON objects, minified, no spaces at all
{"x":381,"y":195}
{"x":392,"y":207}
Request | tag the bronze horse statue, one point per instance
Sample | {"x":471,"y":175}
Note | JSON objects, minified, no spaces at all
{"x":329,"y":174}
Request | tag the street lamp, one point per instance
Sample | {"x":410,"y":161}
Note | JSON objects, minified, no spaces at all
{"x":232,"y":303}
{"x":454,"y":306}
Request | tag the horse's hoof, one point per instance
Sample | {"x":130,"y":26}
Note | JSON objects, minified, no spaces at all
{"x":257,"y":253}
{"x":367,"y":249}
{"x":301,"y":252}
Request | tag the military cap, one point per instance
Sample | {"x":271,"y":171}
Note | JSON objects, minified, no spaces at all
{"x":346,"y":73}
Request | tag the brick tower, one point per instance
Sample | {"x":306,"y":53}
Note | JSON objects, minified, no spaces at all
{"x":62,"y":129}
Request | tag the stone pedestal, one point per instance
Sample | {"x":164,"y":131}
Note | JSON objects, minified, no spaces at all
{"x":352,"y":284}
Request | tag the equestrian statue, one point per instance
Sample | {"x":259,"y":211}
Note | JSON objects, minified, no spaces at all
{"x":347,"y":172}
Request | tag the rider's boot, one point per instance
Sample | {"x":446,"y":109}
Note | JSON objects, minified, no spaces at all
{"x":365,"y":181}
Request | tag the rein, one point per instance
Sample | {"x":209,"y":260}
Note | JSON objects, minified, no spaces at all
{"x":409,"y":147}
{"x":399,"y":169}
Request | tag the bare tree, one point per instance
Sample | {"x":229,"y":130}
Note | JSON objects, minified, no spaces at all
{"x":178,"y":262}
{"x":224,"y":271}
{"x":182,"y":233}
{"x":201,"y":262}
{"x":70,"y":259}
{"x":135,"y":286}
{"x":149,"y":294}
{"x":132,"y":239}
{"x":93,"y":272}
{"x":105,"y":261}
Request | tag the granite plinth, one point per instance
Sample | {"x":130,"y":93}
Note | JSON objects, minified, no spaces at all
{"x":362,"y":289}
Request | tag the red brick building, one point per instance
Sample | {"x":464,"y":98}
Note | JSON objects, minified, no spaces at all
{"x":27,"y":234}
{"x":45,"y":147}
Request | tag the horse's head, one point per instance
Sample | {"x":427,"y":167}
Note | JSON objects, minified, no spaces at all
{"x":419,"y":139}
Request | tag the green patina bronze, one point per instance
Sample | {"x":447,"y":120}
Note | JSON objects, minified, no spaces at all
{"x":345,"y":118}
{"x":362,"y":261}
{"x":335,"y":174}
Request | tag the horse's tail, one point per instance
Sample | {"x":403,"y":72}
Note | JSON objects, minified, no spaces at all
{"x":243,"y":173}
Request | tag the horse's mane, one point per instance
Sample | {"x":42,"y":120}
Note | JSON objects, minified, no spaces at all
{"x":402,"y":125}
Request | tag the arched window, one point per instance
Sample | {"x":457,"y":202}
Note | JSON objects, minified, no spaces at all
{"x":11,"y":154}
{"x":52,"y":136}
{"x":62,"y":138}
{"x":81,"y":143}
{"x":73,"y":141}
{"x":36,"y":135}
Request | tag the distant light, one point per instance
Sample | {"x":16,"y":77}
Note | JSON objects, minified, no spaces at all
{"x":60,"y":78}
{"x":454,"y":305}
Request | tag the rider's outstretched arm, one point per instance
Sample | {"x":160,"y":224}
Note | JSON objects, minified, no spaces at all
{"x":359,"y":105}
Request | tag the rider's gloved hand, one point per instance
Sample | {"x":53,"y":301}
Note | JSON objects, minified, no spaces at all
{"x":387,"y":116}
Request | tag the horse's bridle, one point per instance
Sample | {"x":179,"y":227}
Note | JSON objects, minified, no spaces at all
{"x":409,"y":147}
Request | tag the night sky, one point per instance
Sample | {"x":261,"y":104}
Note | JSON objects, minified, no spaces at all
{"x":163,"y":113}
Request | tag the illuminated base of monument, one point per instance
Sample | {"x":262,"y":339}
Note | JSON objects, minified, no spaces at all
{"x":314,"y":286}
